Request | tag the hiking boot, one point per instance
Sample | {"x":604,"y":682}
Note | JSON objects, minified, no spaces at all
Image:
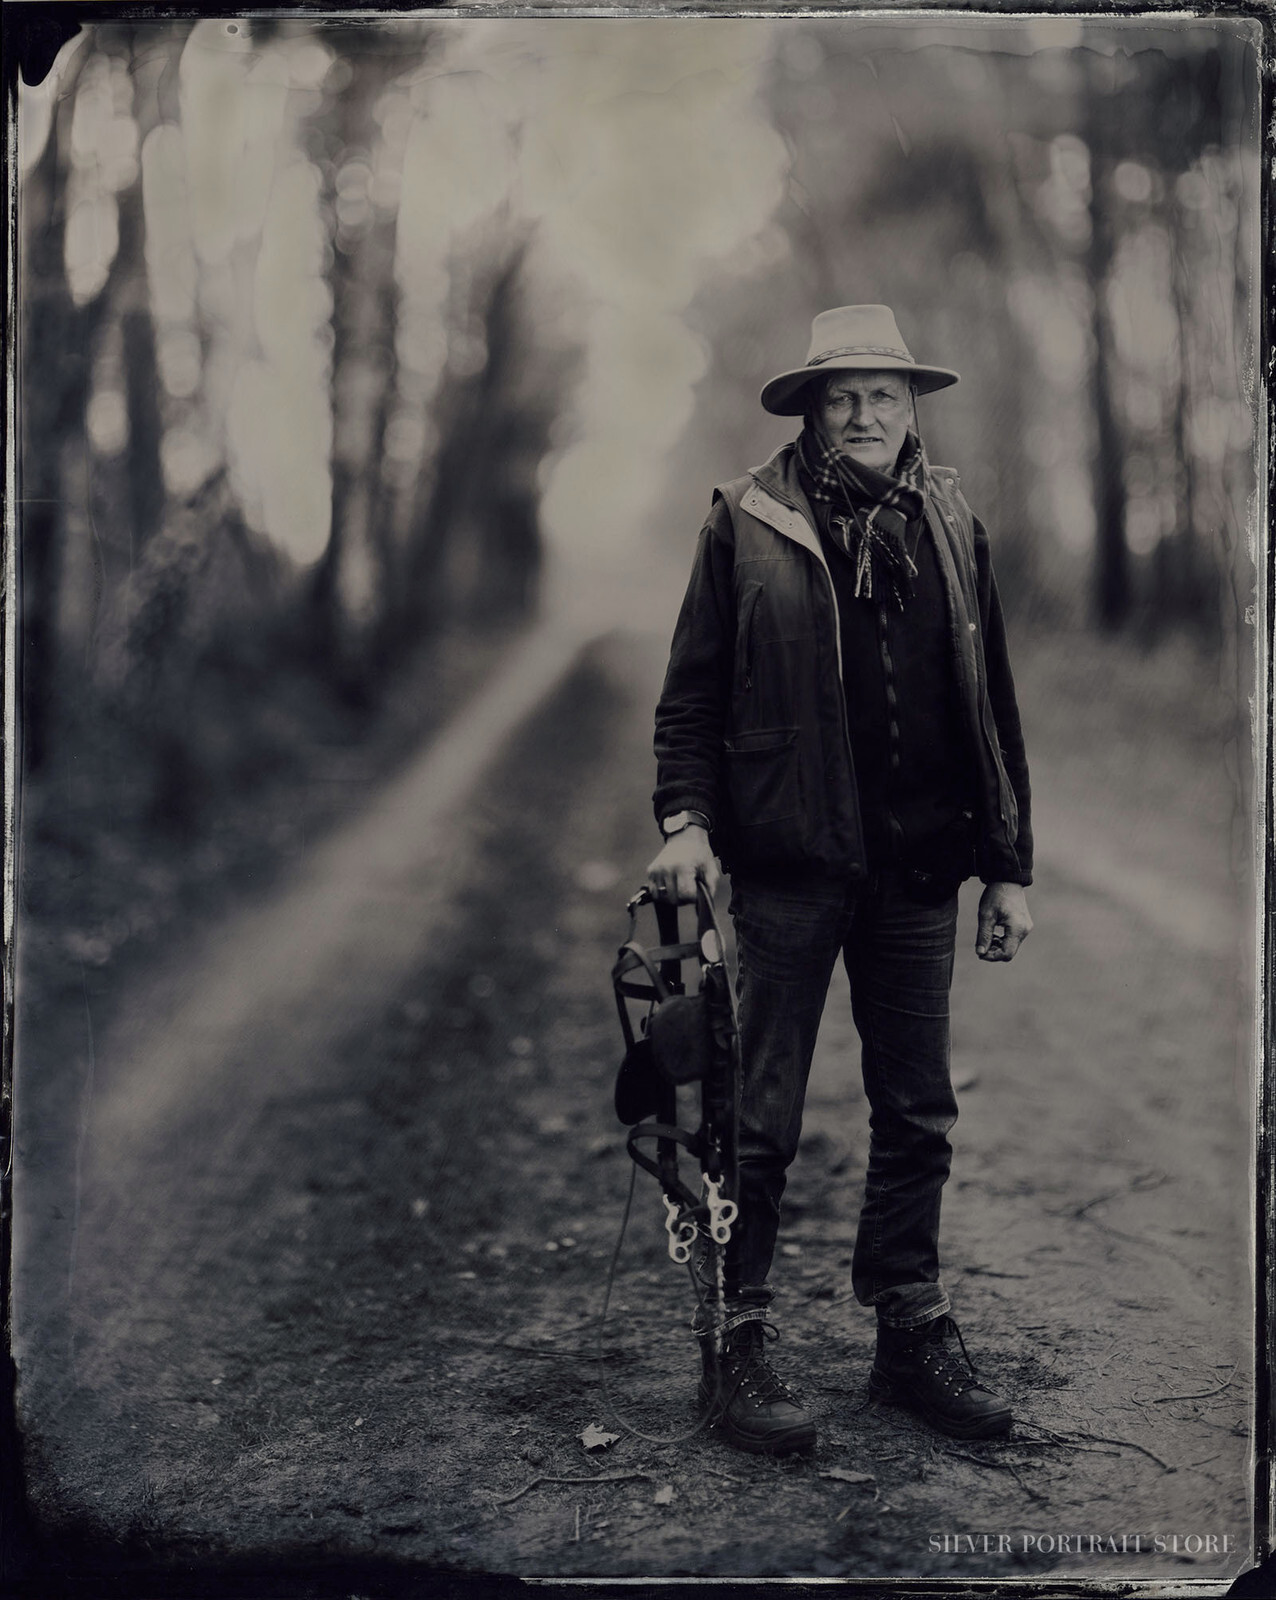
{"x":923,"y":1369}
{"x":748,"y":1402}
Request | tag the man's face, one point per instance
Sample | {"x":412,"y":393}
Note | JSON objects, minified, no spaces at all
{"x":866,"y":414}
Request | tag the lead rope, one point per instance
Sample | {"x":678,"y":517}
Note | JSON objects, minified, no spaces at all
{"x":614,"y":1415}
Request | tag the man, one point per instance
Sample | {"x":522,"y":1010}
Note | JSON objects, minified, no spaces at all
{"x":838,"y":723}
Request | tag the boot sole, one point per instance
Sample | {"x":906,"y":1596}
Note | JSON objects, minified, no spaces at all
{"x":795,"y":1441}
{"x":799,"y":1437}
{"x":992,"y":1425}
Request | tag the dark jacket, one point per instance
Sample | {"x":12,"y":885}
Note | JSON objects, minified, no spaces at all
{"x":751,"y":725}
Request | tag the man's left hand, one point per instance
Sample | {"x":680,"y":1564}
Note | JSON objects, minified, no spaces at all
{"x":1004,"y":922}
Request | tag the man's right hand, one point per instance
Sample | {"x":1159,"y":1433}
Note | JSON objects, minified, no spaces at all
{"x":685,"y":857}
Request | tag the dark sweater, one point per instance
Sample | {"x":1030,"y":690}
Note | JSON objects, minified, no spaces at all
{"x":914,"y":770}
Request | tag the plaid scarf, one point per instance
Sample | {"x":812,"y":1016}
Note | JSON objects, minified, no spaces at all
{"x":869,"y":511}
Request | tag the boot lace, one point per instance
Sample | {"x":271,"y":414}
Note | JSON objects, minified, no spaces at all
{"x":756,"y":1376}
{"x":937,"y":1357}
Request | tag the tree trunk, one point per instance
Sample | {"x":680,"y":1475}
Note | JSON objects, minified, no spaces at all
{"x":1112,"y":594}
{"x":55,"y":341}
{"x":354,"y":582}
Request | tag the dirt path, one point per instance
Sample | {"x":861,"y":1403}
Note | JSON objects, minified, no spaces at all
{"x":317,"y":1278}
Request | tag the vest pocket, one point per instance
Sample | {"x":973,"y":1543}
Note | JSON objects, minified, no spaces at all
{"x":763,"y":776}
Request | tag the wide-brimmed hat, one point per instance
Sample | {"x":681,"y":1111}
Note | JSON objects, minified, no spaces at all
{"x":852,"y":339}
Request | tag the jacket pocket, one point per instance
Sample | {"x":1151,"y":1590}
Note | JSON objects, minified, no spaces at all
{"x":744,"y":637}
{"x":763,"y":776}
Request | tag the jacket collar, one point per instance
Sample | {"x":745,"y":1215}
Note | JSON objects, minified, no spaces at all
{"x":777,"y":498}
{"x":778,"y":475}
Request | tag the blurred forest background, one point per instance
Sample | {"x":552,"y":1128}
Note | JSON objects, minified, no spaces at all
{"x":346,"y":348}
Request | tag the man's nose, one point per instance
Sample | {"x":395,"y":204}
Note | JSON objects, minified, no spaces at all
{"x":861,"y":411}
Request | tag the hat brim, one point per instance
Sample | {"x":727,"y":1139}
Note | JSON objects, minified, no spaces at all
{"x":783,"y":395}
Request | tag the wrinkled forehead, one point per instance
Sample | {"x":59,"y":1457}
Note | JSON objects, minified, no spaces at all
{"x":871,"y":381}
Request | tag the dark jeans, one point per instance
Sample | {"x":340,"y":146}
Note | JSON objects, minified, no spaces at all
{"x":899,"y":958}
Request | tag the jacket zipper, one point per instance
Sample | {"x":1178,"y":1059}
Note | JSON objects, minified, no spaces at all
{"x":744,"y":651}
{"x":894,"y":826}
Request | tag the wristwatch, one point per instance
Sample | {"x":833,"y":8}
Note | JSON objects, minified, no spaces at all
{"x":683,"y":819}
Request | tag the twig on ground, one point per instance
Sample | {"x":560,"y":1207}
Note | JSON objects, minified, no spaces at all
{"x":1067,"y":1444}
{"x":1032,"y":1494}
{"x":1005,"y":1466}
{"x":1080,"y":1211}
{"x":962,"y":1455}
{"x":1054,"y":1438}
{"x":576,"y":1535}
{"x":1140,"y":1184}
{"x":1203,"y":1394}
{"x":1100,"y":1438}
{"x":718,"y":1473}
{"x":532,"y":1350}
{"x":606,"y":1477}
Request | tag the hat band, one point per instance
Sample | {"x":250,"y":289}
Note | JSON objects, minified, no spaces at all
{"x":861,"y":350}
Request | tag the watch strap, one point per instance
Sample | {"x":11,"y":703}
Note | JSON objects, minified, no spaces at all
{"x":692,"y":816}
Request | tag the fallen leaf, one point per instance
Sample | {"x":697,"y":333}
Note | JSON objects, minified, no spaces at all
{"x":843,"y":1475}
{"x":594,"y":1438}
{"x":663,"y":1495}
